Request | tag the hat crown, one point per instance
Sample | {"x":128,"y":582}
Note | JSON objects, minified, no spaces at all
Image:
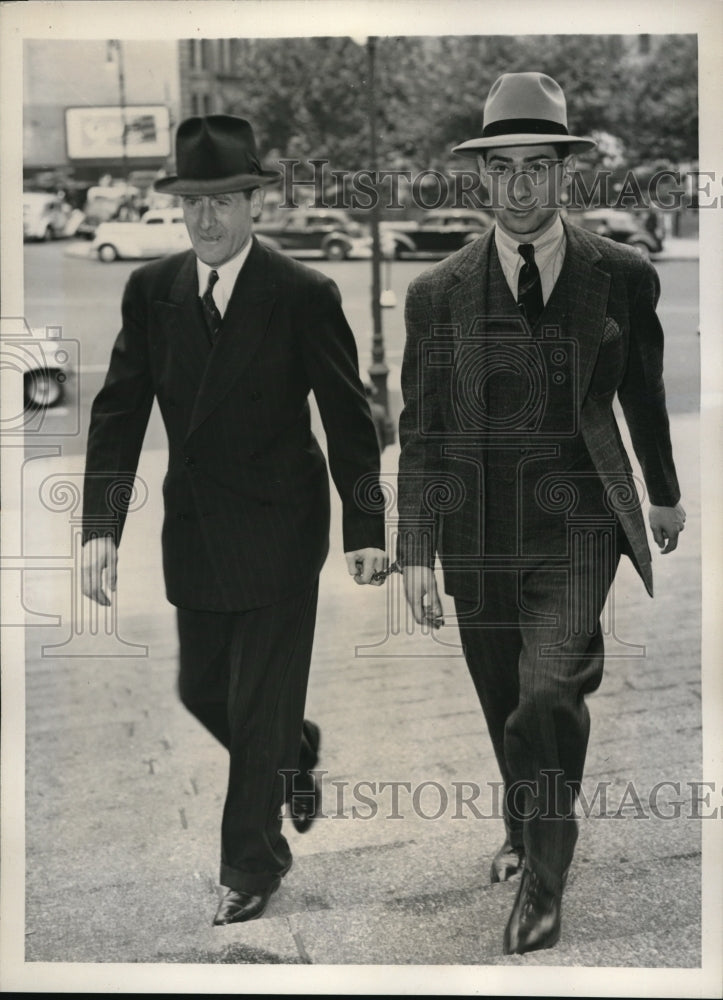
{"x":215,"y":154}
{"x":515,"y":96}
{"x":524,"y":109}
{"x":215,"y":147}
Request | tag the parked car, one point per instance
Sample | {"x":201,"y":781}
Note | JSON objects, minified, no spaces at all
{"x":439,"y":232}
{"x":156,"y":234}
{"x":329,"y":232}
{"x":623,"y":227}
{"x":45,"y":216}
{"x":106,"y":203}
{"x":44,"y":364}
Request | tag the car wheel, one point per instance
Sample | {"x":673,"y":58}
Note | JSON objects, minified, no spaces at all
{"x":335,"y":250}
{"x":42,"y":389}
{"x":642,"y":248}
{"x":107,"y":253}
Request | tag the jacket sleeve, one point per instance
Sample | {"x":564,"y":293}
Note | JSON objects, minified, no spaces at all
{"x":330,"y":358}
{"x":420,"y":426}
{"x":642,"y":394}
{"x":118,"y":421}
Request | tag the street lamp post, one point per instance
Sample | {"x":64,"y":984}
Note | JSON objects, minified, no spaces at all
{"x":378,"y":370}
{"x":115,"y":45}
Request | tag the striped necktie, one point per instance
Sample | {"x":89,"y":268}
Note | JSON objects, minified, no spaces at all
{"x":210,"y":309}
{"x":529,"y":285}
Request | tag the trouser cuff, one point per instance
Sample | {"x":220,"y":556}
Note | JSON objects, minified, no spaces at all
{"x":254,"y":882}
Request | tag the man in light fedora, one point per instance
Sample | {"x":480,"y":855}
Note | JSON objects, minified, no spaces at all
{"x":230,"y":338}
{"x":516,"y":347}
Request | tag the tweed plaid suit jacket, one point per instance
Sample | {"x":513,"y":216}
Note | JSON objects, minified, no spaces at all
{"x":610,"y":315}
{"x":246,"y":494}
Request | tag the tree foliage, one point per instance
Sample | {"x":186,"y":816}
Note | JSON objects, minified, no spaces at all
{"x":307,"y":97}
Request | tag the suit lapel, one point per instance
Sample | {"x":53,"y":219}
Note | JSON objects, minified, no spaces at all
{"x":181,"y":321}
{"x":244,"y":325}
{"x":467,"y":297}
{"x":588,"y":290}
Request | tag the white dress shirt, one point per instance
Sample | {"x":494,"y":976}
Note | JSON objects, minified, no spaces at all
{"x":227,"y":274}
{"x":549,"y":257}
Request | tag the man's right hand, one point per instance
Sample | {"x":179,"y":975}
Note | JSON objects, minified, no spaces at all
{"x":99,"y":562}
{"x":420,"y":586}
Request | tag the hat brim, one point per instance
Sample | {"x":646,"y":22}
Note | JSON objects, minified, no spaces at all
{"x":223,"y":185}
{"x":471,"y":147}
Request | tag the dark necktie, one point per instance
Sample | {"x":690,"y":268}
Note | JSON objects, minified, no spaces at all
{"x":210,"y":309}
{"x":529,"y":285}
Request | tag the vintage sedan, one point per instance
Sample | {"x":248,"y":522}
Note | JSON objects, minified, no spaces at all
{"x":157,"y":233}
{"x":330,"y":233}
{"x":45,"y":216}
{"x":440,"y":232}
{"x":623,"y":227}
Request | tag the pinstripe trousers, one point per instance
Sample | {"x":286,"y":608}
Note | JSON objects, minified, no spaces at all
{"x":534,"y":648}
{"x":244,"y":676}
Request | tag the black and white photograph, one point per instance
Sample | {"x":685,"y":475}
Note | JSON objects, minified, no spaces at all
{"x":361,"y":474}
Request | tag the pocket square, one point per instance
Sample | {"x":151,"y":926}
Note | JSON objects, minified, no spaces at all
{"x":611,"y":330}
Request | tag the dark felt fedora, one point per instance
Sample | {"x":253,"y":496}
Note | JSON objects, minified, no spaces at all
{"x":215,"y":154}
{"x":524,"y":109}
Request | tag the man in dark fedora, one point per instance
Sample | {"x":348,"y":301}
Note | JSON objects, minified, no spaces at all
{"x":230,"y":338}
{"x":516,"y":347}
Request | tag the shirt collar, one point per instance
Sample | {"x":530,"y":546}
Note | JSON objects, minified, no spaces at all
{"x":227,"y":275}
{"x":545,"y":245}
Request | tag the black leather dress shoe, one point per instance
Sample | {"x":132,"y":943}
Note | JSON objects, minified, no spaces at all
{"x":534,"y":923}
{"x":507,"y":862}
{"x":235,"y":907}
{"x":305,"y":801}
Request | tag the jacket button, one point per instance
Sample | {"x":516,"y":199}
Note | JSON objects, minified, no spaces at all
{"x":188,"y":460}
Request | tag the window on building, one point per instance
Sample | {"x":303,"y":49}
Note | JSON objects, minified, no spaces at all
{"x":225,"y":55}
{"x":206,"y":54}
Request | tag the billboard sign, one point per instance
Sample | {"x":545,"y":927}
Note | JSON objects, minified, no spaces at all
{"x":98,"y":133}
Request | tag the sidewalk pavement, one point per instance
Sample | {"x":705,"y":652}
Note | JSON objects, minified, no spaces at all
{"x":678,"y":248}
{"x":124,"y":790}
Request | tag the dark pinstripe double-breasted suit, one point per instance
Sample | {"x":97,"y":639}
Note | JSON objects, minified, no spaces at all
{"x":513,"y":471}
{"x":246,"y":501}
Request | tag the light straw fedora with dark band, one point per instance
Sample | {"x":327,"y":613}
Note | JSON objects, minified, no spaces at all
{"x":524,"y":109}
{"x":215,"y":154}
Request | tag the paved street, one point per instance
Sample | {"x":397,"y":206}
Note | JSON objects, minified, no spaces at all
{"x":124,"y":790}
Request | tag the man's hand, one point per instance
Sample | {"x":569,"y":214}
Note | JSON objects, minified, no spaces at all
{"x":364,"y":563}
{"x":420,"y":587}
{"x":99,"y":560}
{"x":666,"y":523}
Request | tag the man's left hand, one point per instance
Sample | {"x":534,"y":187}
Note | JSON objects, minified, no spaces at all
{"x":364,"y":563}
{"x":666,"y":523}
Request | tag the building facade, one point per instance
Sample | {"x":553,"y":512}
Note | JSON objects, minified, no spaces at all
{"x":96,"y":107}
